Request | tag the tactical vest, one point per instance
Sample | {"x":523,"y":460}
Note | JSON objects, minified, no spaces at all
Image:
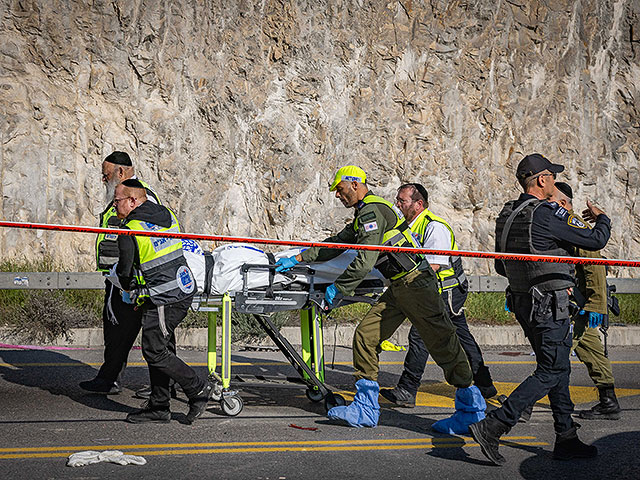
{"x":107,"y":243}
{"x":162,"y":274}
{"x":394,"y":265}
{"x":523,"y":275}
{"x":453,"y":275}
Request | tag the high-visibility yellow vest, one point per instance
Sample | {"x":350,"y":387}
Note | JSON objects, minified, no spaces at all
{"x":162,"y":274}
{"x":453,"y":275}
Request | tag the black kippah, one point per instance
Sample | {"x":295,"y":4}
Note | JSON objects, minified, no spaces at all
{"x":119,"y":158}
{"x":565,"y":188}
{"x":133,"y":183}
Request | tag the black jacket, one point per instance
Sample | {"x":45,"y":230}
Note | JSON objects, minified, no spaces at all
{"x":128,"y":256}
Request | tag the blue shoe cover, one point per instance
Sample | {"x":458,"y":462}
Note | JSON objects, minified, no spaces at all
{"x":364,"y":411}
{"x":470,"y":407}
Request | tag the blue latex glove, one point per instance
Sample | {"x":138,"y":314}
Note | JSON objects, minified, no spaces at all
{"x":595,"y":319}
{"x":126,"y":298}
{"x":506,"y":308}
{"x":330,"y":293}
{"x":286,"y":263}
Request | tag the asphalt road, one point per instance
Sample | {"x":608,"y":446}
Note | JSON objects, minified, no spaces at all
{"x":280,"y":434}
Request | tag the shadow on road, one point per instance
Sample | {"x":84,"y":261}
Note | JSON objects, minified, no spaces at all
{"x":56,"y":373}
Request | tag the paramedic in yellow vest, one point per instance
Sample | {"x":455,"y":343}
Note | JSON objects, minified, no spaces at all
{"x":155,"y":276}
{"x":411,"y":294}
{"x":432,"y":232}
{"x":120,"y":321}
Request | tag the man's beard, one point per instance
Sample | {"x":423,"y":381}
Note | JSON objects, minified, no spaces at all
{"x":110,"y":190}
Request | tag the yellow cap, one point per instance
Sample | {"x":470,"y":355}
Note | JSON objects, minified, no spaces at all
{"x":350,"y":173}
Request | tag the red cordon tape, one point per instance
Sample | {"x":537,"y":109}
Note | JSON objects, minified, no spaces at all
{"x":340,"y":246}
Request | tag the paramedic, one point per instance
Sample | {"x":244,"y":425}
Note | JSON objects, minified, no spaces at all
{"x":155,"y":275}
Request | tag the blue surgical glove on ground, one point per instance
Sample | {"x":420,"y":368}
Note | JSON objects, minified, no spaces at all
{"x":126,"y":298}
{"x":364,"y":411}
{"x":330,"y":293}
{"x":594,"y":319}
{"x":470,"y":407}
{"x":286,"y":263}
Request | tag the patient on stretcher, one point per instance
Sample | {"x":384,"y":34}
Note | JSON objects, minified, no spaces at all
{"x":219,"y":272}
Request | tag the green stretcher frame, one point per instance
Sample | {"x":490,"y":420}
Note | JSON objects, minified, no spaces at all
{"x":312,"y":345}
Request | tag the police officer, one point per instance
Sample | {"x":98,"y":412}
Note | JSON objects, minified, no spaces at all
{"x":154,"y":273}
{"x":538,"y":294}
{"x":592,"y":285}
{"x":121,"y":322}
{"x":433,"y":232}
{"x":412,"y":294}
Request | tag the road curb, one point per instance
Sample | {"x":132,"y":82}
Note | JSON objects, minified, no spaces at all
{"x":340,"y":335}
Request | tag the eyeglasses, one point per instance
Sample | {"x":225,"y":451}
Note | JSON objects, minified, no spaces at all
{"x":116,"y":200}
{"x":554,"y":175}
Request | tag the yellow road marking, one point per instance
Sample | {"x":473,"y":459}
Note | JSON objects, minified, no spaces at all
{"x":254,"y":444}
{"x":442,"y":394}
{"x":240,"y":447}
{"x":275,"y":363}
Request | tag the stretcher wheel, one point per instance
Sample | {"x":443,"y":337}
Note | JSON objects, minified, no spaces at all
{"x":231,"y":405}
{"x":216,"y":393}
{"x":333,"y":400}
{"x":314,"y":395}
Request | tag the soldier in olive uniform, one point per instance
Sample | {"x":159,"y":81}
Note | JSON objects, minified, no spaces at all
{"x":592,"y":283}
{"x":412,"y":294}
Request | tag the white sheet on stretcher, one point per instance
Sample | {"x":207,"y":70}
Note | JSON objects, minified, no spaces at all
{"x":228,"y":259}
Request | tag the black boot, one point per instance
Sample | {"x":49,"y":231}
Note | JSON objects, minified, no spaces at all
{"x":399,"y":396}
{"x":487,"y":433}
{"x":607,"y":409}
{"x":150,"y":415}
{"x":569,"y":446}
{"x":198,"y":404}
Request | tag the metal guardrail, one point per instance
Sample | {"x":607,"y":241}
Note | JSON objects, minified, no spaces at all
{"x":95,"y":281}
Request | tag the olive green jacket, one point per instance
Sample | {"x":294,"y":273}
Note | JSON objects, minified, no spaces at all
{"x":371,"y":213}
{"x":592,"y":281}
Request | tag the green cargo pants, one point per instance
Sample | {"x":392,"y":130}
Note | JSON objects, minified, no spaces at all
{"x":588,"y":347}
{"x":415,"y":297}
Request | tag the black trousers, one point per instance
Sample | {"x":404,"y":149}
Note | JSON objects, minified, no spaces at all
{"x":417,"y":353}
{"x":546,"y":323}
{"x":158,"y":326}
{"x":121,"y":325}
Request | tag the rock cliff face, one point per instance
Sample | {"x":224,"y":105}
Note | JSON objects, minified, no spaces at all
{"x":239,"y":112}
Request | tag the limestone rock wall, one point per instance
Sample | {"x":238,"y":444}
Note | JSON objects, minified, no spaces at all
{"x":239,"y":112}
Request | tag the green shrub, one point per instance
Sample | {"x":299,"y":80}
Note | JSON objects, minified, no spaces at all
{"x":488,"y":308}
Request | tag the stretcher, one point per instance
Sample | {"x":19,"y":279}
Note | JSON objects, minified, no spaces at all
{"x":299,"y":293}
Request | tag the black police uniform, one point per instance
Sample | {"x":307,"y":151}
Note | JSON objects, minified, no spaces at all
{"x":539,"y":298}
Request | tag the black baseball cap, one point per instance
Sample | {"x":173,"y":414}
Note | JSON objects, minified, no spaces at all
{"x":565,"y":188}
{"x":535,"y":163}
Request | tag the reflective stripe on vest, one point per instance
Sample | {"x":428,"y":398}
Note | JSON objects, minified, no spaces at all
{"x":453,"y":275}
{"x":399,"y":235}
{"x":107,"y":244}
{"x":164,"y":276}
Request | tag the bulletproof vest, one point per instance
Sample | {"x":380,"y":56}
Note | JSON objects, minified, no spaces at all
{"x":393,"y":265}
{"x":523,"y":275}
